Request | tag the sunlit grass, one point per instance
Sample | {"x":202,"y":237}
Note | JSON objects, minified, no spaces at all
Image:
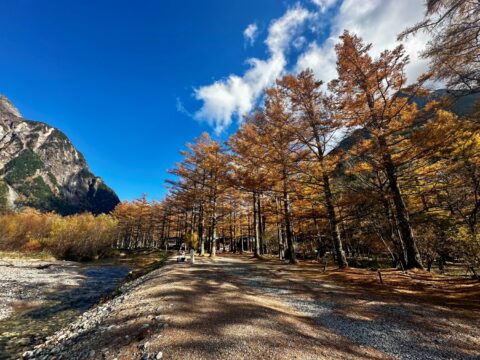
{"x":42,"y":255}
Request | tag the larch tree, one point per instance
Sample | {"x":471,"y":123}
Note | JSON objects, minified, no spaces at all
{"x":200,"y":182}
{"x":371,"y":94}
{"x":215,"y":169}
{"x":316,"y":128}
{"x":454,"y":48}
{"x":248,"y":171}
{"x":451,"y":179}
{"x":282,"y":151}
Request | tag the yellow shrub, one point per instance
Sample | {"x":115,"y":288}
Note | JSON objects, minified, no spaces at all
{"x":76,"y":237}
{"x":32,"y":245}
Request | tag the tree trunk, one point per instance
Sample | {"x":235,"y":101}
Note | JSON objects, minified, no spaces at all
{"x":249,"y":233}
{"x":213,"y":243}
{"x":332,"y":218}
{"x":288,"y":225}
{"x":413,"y":256}
{"x":256,"y":227}
{"x":260,"y":223}
{"x":233,"y":234}
{"x":241,"y":237}
{"x":391,"y":221}
{"x":337,"y":242}
{"x":281,"y":246}
{"x":201,"y":227}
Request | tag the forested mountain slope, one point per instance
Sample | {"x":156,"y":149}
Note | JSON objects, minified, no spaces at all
{"x":460,"y":105}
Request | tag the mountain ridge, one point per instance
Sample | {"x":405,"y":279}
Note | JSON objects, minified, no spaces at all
{"x":40,"y":168}
{"x":461,"y":106}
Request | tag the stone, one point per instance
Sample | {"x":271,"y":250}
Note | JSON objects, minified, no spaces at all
{"x":159,"y":355}
{"x":23,"y":341}
{"x":27,"y":354}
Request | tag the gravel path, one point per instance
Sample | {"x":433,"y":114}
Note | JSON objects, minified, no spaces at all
{"x":236,"y":308}
{"x":404,"y":330}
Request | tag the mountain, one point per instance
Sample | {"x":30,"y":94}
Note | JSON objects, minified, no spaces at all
{"x":461,"y":106}
{"x":40,"y":168}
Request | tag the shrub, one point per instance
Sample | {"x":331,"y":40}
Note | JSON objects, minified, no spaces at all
{"x":82,"y":237}
{"x":33,"y":245}
{"x":16,"y":229}
{"x":22,"y":167}
{"x":76,"y":237}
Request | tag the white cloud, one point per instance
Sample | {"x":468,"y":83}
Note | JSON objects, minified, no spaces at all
{"x":283,"y":30}
{"x":376,"y":21}
{"x":250,"y":33}
{"x":324,"y":5}
{"x":181,"y":108}
{"x":319,"y":58}
{"x":299,"y":42}
{"x":237,"y":95}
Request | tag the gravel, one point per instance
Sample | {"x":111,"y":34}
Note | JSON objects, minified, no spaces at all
{"x":46,"y":296}
{"x":232,"y":308}
{"x":90,"y":323}
{"x":20,"y":279}
{"x":392,"y":330}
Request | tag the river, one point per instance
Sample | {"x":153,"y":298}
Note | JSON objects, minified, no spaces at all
{"x":38,"y":298}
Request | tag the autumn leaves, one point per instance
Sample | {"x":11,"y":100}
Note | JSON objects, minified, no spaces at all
{"x":285,"y":179}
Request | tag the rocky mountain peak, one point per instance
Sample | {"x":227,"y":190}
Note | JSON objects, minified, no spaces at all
{"x":40,"y":168}
{"x":6,"y":107}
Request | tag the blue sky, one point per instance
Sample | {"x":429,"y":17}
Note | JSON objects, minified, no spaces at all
{"x":131,"y":82}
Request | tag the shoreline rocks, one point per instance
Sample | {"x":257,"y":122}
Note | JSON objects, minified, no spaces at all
{"x":93,"y":322}
{"x":37,"y":298}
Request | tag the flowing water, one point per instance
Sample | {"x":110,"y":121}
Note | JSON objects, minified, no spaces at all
{"x":32,"y":321}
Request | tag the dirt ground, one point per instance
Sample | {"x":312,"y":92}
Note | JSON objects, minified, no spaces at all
{"x":235,"y":307}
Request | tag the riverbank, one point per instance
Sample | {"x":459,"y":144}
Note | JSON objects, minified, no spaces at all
{"x":234,"y":307}
{"x":39,"y":296}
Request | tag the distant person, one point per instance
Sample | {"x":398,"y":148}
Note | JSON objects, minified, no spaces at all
{"x":192,"y":255}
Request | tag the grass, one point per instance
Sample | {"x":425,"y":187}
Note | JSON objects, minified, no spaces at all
{"x":43,"y":255}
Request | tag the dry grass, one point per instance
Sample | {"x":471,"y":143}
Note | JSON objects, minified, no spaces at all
{"x":42,"y":255}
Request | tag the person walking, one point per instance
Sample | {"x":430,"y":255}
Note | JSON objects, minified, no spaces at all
{"x":192,"y":255}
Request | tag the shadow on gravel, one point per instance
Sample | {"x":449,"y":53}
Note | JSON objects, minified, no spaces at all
{"x":216,"y":317}
{"x":405,"y":330}
{"x":235,"y":308}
